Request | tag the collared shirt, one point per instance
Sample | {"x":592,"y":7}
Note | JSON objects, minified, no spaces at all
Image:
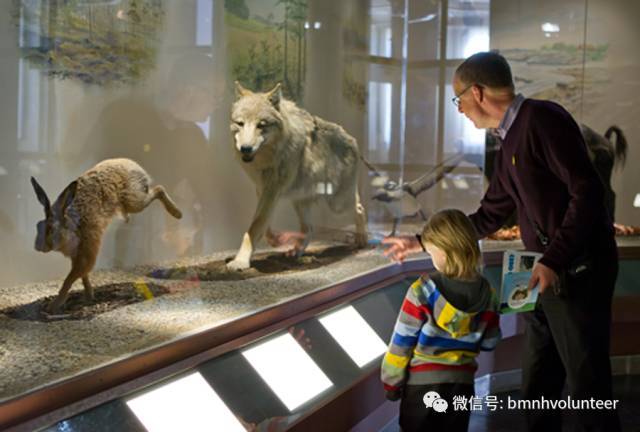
{"x":510,"y":116}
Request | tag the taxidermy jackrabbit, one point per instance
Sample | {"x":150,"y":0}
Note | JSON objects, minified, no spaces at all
{"x":74,"y":224}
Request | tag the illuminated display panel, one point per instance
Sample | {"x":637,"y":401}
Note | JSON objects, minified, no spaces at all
{"x":354,"y":335}
{"x":288,"y":370}
{"x":187,"y":404}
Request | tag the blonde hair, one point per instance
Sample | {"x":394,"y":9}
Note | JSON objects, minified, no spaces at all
{"x":451,"y":231}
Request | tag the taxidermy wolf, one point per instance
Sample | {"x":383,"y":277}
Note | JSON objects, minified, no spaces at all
{"x":289,"y":153}
{"x":74,"y":224}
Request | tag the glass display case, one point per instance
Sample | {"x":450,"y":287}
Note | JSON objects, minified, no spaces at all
{"x":246,"y":388}
{"x":111,"y":106}
{"x":191,"y":166}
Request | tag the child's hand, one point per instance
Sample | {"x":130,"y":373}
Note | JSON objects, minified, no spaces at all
{"x":401,"y":246}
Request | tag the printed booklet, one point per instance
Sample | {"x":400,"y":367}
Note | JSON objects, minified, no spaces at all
{"x":516,"y":272}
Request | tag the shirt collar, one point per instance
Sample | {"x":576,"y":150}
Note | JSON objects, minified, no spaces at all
{"x":510,"y":116}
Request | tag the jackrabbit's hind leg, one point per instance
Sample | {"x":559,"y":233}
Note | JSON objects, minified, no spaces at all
{"x":158,"y":192}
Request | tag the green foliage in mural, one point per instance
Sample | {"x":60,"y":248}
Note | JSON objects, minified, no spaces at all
{"x":237,"y":7}
{"x":268,"y":50}
{"x":103,"y":43}
{"x":575,"y":52}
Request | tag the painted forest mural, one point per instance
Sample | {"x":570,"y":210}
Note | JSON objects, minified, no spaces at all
{"x":267,"y":44}
{"x":96,"y":42}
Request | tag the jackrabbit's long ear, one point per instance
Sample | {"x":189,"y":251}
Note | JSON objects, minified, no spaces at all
{"x":42,"y":196}
{"x":241,"y":91}
{"x":66,"y":196}
{"x":275,"y":95}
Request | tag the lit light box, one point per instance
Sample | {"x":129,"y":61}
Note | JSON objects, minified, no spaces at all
{"x":354,"y":335}
{"x":188,"y":404}
{"x":288,"y":370}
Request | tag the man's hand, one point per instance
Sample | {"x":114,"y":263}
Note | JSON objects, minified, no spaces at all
{"x":544,"y":277}
{"x":401,"y":246}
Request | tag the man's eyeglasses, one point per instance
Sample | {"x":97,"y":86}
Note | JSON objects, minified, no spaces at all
{"x":456,"y":99}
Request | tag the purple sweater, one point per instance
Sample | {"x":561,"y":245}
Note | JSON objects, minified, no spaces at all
{"x":543,"y":164}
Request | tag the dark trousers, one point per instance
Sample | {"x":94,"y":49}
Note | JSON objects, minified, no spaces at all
{"x":416,"y":417}
{"x":567,"y":338}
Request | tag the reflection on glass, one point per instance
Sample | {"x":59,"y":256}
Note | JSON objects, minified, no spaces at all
{"x":380,"y":36}
{"x":460,"y":132}
{"x":468,"y":28}
{"x":288,"y":370}
{"x":354,"y":335}
{"x":380,"y":94}
{"x":187,"y":404}
{"x":204,"y":30}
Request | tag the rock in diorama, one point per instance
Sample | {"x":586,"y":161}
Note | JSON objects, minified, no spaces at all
{"x":76,"y":221}
{"x":287,"y":152}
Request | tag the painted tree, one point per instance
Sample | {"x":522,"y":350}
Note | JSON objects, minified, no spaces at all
{"x":295,"y":15}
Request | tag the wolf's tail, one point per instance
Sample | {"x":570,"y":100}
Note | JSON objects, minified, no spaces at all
{"x":621,"y":143}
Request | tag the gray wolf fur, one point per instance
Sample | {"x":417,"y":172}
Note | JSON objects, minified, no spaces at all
{"x":74,"y":224}
{"x":289,"y":153}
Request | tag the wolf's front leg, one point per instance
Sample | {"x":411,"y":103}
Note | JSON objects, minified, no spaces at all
{"x":266,"y":203}
{"x":301,"y":241}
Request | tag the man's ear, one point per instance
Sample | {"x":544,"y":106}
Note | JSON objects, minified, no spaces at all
{"x":478,"y":92}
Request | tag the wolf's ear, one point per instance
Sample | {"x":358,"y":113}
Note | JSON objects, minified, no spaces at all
{"x":275,"y":95}
{"x":66,"y":197}
{"x":42,"y":196}
{"x":241,"y":91}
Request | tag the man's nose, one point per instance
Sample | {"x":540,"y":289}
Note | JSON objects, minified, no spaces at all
{"x":460,"y":108}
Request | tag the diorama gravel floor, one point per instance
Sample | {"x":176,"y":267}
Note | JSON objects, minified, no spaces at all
{"x":36,"y":353}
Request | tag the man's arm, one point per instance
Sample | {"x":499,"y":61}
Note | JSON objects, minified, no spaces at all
{"x":495,"y":207}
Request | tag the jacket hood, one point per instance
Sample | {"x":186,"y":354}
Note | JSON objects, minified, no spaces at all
{"x":464,"y":300}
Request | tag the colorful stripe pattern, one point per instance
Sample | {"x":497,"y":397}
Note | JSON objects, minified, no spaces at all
{"x":435,"y":342}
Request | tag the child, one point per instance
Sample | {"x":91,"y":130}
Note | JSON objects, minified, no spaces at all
{"x":445,"y":320}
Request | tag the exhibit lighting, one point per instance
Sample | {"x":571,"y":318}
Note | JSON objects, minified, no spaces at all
{"x":354,"y":335}
{"x":188,"y":403}
{"x":288,"y":370}
{"x":460,"y":183}
{"x":550,"y":27}
{"x":425,"y":18}
{"x":636,"y":201}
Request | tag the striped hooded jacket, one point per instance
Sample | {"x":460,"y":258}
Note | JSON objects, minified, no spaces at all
{"x":434,"y":341}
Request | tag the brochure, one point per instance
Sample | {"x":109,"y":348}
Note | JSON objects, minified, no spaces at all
{"x":516,"y":272}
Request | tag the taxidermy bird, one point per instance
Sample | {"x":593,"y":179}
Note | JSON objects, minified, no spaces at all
{"x":401,"y":199}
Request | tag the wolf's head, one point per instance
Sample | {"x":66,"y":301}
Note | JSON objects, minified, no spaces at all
{"x":255,"y":120}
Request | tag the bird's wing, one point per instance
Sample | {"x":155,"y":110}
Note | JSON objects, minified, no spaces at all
{"x":434,"y":175}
